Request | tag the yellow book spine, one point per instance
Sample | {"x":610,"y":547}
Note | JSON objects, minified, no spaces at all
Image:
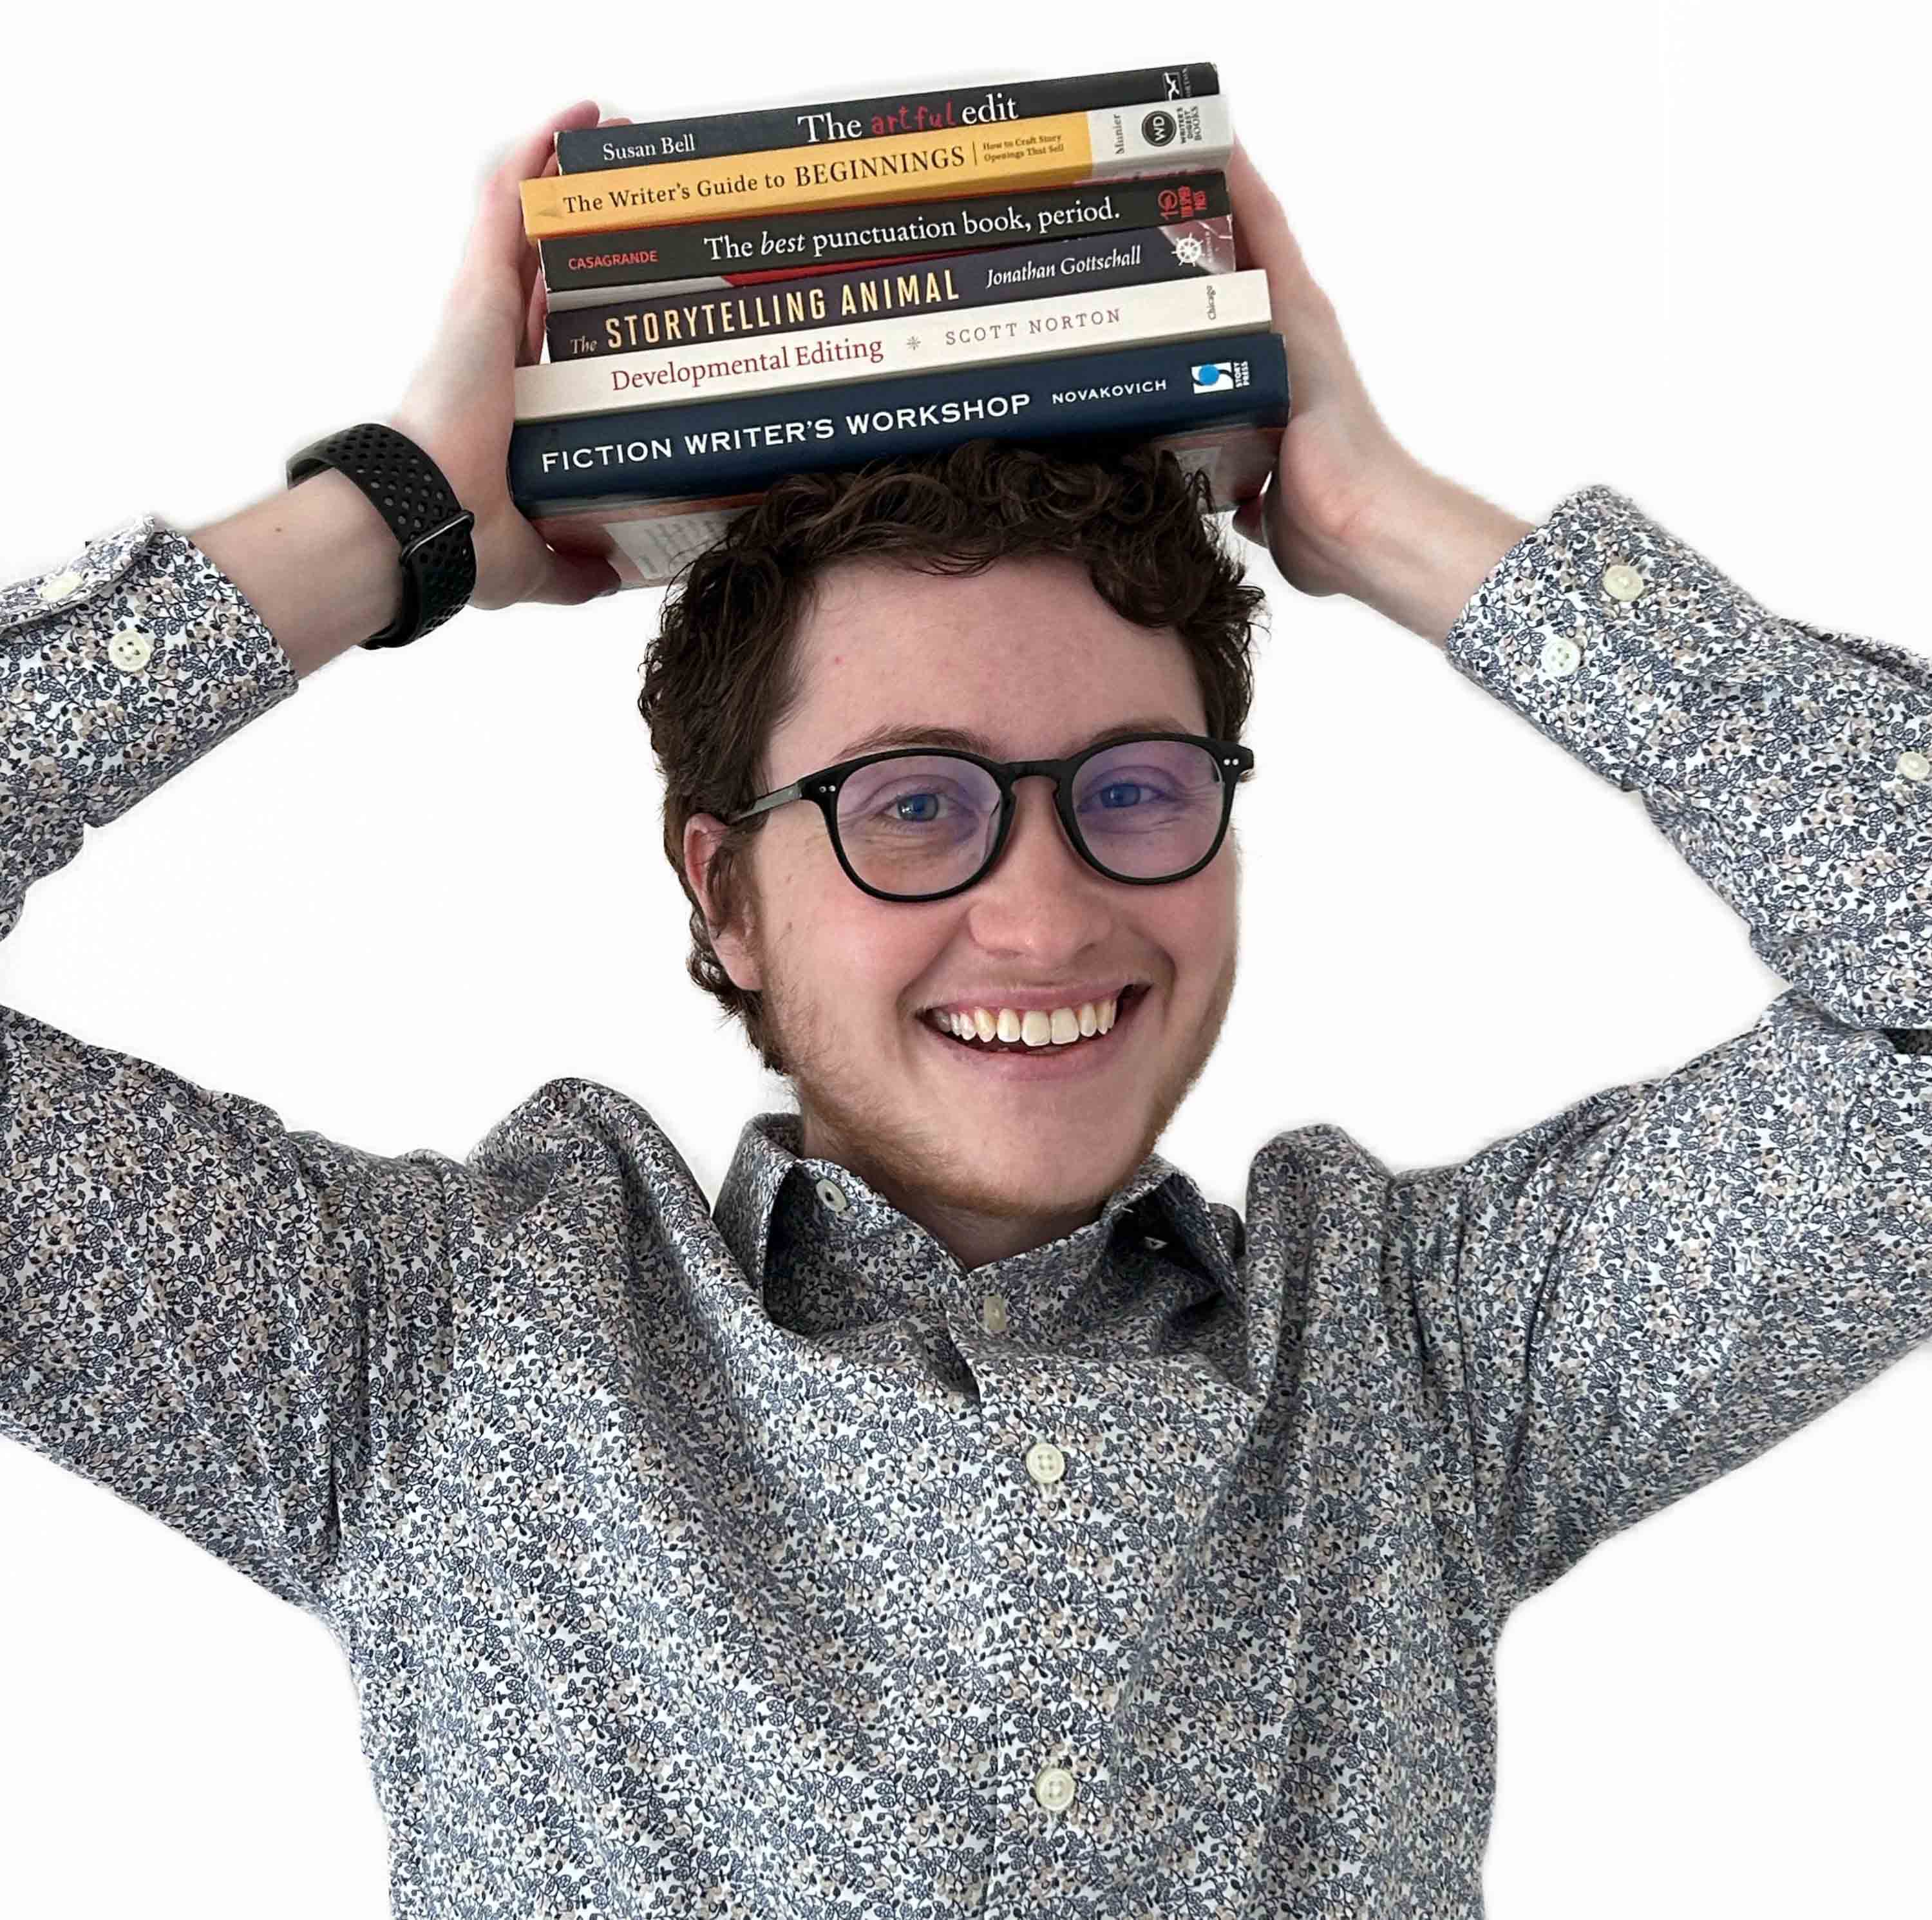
{"x":1052,"y":151}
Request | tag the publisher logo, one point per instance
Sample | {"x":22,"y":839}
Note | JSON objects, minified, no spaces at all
{"x":1159,"y":128}
{"x":1182,"y":202}
{"x":1220,"y":376}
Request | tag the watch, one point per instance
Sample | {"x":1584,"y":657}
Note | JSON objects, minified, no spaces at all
{"x":407,"y":488}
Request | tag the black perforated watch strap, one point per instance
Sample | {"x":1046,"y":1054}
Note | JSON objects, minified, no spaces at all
{"x":407,"y":488}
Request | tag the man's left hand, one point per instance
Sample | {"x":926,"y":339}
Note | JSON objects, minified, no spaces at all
{"x":1349,"y":509}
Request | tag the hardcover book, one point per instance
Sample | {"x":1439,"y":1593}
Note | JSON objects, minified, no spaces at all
{"x":1187,"y":250}
{"x":593,"y":149}
{"x":1026,"y":330}
{"x":648,"y":540}
{"x":704,"y":254}
{"x":728,"y":446}
{"x":1148,"y":137}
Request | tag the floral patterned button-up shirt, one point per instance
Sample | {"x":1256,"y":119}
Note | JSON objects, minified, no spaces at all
{"x":758,"y":1560}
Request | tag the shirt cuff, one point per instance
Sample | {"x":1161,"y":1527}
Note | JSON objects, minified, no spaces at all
{"x":1600,"y":629}
{"x":136,"y":656}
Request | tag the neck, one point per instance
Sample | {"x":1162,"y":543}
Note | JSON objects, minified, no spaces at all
{"x":975,"y":1234}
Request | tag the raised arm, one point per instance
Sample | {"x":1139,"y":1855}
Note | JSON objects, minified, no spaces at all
{"x":1665,"y":1280}
{"x":239,"y":1328}
{"x":1612,"y":1308}
{"x":317,"y":562}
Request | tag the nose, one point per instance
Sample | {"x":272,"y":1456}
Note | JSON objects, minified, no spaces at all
{"x":1042,"y":900}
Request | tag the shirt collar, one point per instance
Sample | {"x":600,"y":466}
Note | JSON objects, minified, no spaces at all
{"x":823,"y":1250}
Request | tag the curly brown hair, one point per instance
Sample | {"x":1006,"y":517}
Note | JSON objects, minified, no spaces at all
{"x":721,"y":673}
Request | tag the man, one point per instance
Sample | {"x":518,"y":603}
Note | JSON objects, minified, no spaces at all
{"x":963,"y":1515}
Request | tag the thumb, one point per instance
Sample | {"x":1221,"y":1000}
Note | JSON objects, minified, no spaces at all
{"x":576,"y":578}
{"x":1247,"y":521}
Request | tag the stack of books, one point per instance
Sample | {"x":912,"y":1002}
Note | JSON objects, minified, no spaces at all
{"x":740,"y":297}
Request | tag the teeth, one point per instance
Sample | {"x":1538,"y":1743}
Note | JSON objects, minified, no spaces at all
{"x":1036,"y":1027}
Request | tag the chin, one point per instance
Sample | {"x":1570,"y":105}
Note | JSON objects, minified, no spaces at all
{"x":1043,"y":1171}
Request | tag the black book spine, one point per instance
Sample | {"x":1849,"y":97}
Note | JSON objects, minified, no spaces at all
{"x":708,"y":448}
{"x":845,"y":236}
{"x":1084,"y":265}
{"x":590,"y":149}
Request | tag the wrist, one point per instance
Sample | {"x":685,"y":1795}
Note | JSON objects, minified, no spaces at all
{"x":1418,"y":554}
{"x":317,"y":562}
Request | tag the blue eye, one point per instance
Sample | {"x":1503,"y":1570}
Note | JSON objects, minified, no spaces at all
{"x":931,"y":808}
{"x":1108,"y":794}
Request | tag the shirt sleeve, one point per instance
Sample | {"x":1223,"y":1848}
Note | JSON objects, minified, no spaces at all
{"x":227,"y":1323}
{"x":1660,"y":1283}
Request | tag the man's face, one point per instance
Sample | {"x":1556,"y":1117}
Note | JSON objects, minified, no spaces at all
{"x":992,"y":1151}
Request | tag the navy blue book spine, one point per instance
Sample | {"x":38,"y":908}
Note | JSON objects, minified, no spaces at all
{"x":730,"y":446}
{"x":590,"y":149}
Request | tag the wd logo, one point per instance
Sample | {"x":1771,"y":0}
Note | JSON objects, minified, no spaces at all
{"x":1220,"y":376}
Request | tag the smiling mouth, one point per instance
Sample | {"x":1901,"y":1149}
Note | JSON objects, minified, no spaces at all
{"x":1125,"y":1001}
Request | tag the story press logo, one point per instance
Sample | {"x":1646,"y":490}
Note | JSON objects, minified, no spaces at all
{"x":1220,"y":376}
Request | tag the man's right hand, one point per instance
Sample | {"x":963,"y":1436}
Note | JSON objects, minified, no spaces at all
{"x":460,"y":405}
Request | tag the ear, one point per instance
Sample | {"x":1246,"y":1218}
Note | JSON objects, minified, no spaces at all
{"x":703,"y":834}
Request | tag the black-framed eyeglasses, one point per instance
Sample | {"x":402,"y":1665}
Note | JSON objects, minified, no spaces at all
{"x":923,"y":822}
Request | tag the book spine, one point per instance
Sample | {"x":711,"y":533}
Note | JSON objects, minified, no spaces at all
{"x":1187,"y":250}
{"x":832,"y":356}
{"x":570,"y":300}
{"x":596,"y":149}
{"x":1109,"y":142}
{"x":646,"y":542}
{"x":612,"y":265}
{"x":731,"y":445}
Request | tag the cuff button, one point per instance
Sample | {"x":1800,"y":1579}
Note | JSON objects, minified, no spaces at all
{"x":130,"y":648}
{"x":1561,"y":656}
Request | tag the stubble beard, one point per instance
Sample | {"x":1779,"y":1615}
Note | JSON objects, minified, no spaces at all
{"x":900,"y":1154}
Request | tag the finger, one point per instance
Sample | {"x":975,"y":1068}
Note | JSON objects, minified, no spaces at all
{"x":536,"y":305}
{"x":536,"y":310}
{"x":497,"y":236}
{"x":573,"y":578}
{"x":1247,"y":521}
{"x":1262,"y":235}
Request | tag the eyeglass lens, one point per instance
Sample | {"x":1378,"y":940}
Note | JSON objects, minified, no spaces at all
{"x":920,"y":824}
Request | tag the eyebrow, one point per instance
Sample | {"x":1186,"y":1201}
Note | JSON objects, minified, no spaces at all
{"x":894,"y":733}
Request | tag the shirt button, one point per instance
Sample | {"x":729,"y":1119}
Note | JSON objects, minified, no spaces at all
{"x":1914,"y":766}
{"x":993,"y":1313}
{"x":832,"y":1196}
{"x":1054,"y":1788}
{"x":1045,"y":1463}
{"x":130,"y":649}
{"x":57,"y":586}
{"x":1560,"y":656}
{"x":1622,"y":581}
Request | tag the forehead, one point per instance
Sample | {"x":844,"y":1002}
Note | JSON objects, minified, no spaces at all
{"x":1024,"y":652}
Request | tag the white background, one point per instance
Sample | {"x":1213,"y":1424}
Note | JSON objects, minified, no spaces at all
{"x":1674,"y":247}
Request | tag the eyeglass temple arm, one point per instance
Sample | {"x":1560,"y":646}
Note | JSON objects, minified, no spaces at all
{"x":784,"y":795}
